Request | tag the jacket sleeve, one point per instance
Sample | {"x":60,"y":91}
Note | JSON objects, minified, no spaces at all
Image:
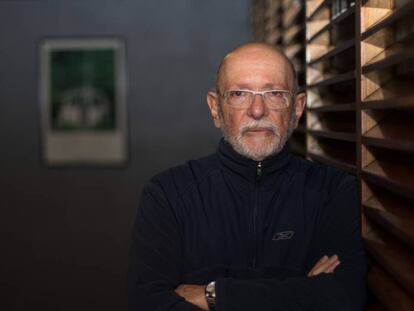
{"x":339,"y":233}
{"x":154,"y":260}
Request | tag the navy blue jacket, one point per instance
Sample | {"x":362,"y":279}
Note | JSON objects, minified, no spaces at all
{"x":256,"y":228}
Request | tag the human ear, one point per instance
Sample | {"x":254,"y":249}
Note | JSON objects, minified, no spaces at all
{"x":212,"y":101}
{"x":300,"y":102}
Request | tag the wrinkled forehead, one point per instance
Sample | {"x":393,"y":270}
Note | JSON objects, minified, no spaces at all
{"x":256,"y":73}
{"x":255,"y":68}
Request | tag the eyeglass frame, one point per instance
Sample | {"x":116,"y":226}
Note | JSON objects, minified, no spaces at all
{"x":262,"y":93}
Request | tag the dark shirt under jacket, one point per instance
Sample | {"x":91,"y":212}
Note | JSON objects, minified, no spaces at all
{"x":257,"y":228}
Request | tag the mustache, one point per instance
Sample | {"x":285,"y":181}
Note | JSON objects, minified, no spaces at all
{"x":259,"y":123}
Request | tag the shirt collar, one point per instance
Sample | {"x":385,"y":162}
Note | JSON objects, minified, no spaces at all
{"x":248,"y":168}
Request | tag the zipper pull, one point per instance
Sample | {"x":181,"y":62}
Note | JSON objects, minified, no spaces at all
{"x":259,"y":170}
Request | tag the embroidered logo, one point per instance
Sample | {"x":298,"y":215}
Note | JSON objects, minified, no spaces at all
{"x":284,"y":235}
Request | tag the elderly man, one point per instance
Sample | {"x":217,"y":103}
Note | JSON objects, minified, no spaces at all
{"x":250,"y":227}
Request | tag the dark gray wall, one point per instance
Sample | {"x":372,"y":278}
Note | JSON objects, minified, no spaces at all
{"x":64,"y":231}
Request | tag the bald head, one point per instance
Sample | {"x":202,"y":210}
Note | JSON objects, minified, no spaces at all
{"x":248,"y":81}
{"x":260,"y":53}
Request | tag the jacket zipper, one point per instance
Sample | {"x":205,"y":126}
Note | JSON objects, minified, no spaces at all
{"x":256,"y":190}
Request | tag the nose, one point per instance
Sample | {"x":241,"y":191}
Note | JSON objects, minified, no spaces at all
{"x":258,"y":108}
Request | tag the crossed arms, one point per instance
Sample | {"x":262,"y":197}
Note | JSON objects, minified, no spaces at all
{"x":195,"y":294}
{"x":155,"y":273}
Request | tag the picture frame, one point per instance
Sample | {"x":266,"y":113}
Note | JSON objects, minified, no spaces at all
{"x":83,"y":101}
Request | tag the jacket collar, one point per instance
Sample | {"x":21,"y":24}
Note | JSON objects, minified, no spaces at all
{"x":248,"y":168}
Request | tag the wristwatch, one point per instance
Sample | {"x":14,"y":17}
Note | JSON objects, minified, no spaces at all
{"x":210,"y":293}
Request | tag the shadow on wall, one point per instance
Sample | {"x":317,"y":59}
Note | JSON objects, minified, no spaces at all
{"x":87,"y":123}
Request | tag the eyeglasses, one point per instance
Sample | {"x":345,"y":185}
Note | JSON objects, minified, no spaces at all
{"x":242,"y":99}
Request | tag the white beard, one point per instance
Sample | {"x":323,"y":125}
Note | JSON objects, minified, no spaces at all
{"x":262,"y":149}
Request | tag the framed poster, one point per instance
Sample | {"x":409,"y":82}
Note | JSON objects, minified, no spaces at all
{"x":83,"y":102}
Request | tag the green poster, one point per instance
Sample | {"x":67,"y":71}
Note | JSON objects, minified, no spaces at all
{"x":82,"y":89}
{"x":83,"y":101}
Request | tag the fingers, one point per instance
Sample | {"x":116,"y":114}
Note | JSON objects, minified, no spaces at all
{"x":329,"y":265}
{"x":332,"y":267}
{"x":325,"y":265}
{"x":322,"y":260}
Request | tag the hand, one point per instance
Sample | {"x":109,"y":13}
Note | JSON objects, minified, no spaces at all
{"x":194,"y":294}
{"x":325,"y":265}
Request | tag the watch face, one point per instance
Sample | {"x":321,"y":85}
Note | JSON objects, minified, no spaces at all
{"x":211,"y":288}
